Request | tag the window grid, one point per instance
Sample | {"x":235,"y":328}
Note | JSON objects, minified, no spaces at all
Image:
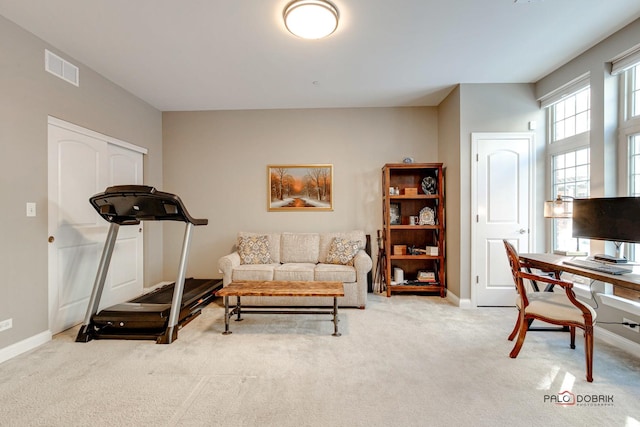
{"x":632,"y":249}
{"x":571,"y":172}
{"x":634,"y":91}
{"x":634,"y":165}
{"x":571,"y":116}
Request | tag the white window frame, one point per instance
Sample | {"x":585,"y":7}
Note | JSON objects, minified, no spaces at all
{"x":563,"y":146}
{"x":628,"y":128}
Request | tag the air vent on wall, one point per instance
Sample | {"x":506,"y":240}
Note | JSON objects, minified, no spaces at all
{"x":61,"y":68}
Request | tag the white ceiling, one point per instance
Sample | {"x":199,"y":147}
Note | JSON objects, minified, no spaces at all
{"x":236,"y":54}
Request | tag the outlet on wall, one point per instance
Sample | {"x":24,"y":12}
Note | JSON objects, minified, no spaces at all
{"x":636,"y":329}
{"x":6,"y":324}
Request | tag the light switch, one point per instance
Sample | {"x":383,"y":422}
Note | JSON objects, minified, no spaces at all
{"x":31,"y":209}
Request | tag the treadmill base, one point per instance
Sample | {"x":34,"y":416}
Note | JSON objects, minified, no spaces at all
{"x":147,"y":317}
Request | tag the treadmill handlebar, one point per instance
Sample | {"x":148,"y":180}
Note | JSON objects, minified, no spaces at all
{"x":130,"y":204}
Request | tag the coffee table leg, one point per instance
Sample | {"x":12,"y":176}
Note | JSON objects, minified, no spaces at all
{"x":335,"y":318}
{"x":238,"y":309}
{"x":226,"y":316}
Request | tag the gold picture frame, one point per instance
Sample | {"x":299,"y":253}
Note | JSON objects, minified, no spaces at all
{"x":300,"y":187}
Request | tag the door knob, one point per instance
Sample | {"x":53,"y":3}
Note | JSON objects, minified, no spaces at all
{"x":522,"y":231}
{"x":51,"y":239}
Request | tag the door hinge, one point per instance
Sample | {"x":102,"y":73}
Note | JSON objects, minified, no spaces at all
{"x":477,"y":279}
{"x":477,"y":218}
{"x":477,"y":157}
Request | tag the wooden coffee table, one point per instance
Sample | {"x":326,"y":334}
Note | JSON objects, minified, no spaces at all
{"x":281,"y":289}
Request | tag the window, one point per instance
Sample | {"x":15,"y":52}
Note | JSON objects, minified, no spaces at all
{"x":570,"y":116}
{"x":634,"y":165}
{"x":629,"y":130}
{"x":568,"y":125}
{"x":630,"y":140}
{"x":570,"y":173}
{"x":631,"y":92}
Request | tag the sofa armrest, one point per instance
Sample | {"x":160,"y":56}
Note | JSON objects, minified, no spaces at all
{"x":362,"y":263}
{"x":226,"y":264}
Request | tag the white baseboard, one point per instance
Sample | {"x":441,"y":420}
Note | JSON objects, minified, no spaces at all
{"x":25,"y":345}
{"x":616,"y":340}
{"x":455,"y":300}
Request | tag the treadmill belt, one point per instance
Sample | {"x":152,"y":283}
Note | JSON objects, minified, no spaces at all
{"x":193,"y":290}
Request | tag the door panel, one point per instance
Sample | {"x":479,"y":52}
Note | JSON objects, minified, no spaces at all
{"x":502,"y":189}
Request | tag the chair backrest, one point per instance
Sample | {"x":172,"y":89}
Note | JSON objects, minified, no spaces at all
{"x":516,"y":268}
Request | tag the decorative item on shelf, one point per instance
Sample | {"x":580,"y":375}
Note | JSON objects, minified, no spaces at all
{"x":410,"y":191}
{"x":399,"y":249}
{"x":407,"y":160}
{"x":394,"y":214}
{"x":398,"y":276}
{"x":429,"y":185}
{"x":413,"y":220}
{"x":431,"y":250}
{"x":427,"y":216}
{"x":426,"y":276}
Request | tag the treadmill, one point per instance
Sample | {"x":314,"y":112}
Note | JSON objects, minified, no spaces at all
{"x":159,"y":314}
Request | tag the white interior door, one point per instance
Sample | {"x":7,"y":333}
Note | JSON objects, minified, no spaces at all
{"x":502,"y":211}
{"x":81,"y":164}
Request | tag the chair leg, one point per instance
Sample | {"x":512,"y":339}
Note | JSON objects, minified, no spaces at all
{"x":521,"y":335}
{"x":588,"y":350}
{"x":572,"y":331}
{"x":515,"y":328}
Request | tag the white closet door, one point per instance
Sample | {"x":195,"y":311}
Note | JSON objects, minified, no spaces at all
{"x":81,"y":164}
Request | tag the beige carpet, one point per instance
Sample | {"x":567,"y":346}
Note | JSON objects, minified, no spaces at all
{"x":404,"y":361}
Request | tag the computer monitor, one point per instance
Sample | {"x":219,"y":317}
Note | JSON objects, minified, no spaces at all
{"x":615,"y":219}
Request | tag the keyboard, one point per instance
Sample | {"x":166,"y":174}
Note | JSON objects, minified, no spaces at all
{"x":598,"y":266}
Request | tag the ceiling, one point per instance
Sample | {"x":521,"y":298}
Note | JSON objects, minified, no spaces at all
{"x":236,"y":54}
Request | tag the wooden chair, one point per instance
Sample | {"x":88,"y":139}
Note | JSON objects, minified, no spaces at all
{"x":558,"y":308}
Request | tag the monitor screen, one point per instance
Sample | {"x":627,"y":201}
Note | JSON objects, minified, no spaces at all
{"x":616,"y":219}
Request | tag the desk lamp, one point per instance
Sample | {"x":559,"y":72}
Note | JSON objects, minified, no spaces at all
{"x":562,"y":208}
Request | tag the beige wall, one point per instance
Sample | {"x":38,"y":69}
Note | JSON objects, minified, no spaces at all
{"x":28,"y":94}
{"x":473,"y":108}
{"x":216,"y":162}
{"x":449,"y":149}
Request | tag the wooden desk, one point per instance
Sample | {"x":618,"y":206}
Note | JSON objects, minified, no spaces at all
{"x":554,"y":263}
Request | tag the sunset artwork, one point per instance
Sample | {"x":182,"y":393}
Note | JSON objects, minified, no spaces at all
{"x":300,"y":187}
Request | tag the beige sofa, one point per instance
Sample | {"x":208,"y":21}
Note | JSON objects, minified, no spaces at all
{"x":301,"y":256}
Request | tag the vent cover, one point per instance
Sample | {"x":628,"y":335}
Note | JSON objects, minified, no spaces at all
{"x":61,"y":68}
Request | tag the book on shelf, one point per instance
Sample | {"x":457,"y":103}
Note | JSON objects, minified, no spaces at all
{"x":426,"y":276}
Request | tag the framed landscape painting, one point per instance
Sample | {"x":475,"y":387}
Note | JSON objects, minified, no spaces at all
{"x":300,"y":187}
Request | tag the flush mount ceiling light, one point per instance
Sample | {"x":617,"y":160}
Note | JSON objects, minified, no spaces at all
{"x":311,"y":19}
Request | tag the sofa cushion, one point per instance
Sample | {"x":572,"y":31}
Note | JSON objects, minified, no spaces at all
{"x":327,"y":238}
{"x":299,"y":247}
{"x":294,"y":271}
{"x":274,"y":243}
{"x":342,"y":251}
{"x":254,"y":250}
{"x":335,"y":272}
{"x":253,"y":272}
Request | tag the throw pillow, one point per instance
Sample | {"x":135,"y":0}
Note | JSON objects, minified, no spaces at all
{"x":342,"y":251}
{"x":254,"y":250}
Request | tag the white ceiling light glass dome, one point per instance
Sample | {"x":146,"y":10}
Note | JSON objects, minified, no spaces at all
{"x":311,"y":19}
